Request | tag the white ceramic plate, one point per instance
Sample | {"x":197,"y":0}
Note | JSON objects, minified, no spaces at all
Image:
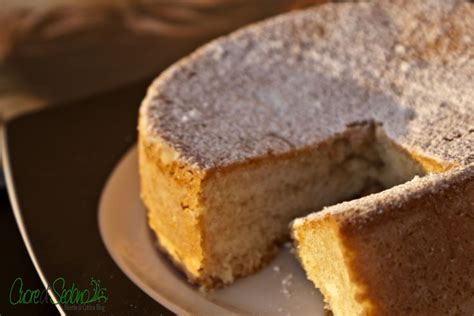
{"x":279,"y":289}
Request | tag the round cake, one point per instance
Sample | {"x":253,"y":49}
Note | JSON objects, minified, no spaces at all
{"x":305,"y":111}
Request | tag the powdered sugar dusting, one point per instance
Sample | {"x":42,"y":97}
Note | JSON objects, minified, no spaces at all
{"x":286,"y":285}
{"x":300,"y":78}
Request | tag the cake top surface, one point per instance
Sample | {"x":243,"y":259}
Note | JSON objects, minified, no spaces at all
{"x":297,"y":79}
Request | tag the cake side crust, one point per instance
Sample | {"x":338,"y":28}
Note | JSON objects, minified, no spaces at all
{"x":169,"y":192}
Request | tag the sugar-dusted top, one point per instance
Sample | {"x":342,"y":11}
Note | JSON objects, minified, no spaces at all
{"x":297,"y":79}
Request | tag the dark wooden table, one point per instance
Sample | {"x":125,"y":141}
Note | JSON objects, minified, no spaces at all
{"x":59,"y":161}
{"x":15,"y":262}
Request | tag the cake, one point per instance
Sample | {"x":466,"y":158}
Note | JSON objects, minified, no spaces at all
{"x":307,"y":110}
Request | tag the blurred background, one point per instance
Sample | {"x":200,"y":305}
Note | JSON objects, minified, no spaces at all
{"x":59,"y":50}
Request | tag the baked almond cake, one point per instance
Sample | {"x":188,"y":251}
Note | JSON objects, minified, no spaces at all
{"x":307,"y":110}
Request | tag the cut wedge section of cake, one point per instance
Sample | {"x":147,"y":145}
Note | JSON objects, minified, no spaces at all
{"x":406,"y":251}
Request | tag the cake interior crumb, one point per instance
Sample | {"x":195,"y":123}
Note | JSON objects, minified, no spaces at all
{"x":250,"y":207}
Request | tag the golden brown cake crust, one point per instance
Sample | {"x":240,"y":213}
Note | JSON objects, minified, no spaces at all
{"x":429,"y":268}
